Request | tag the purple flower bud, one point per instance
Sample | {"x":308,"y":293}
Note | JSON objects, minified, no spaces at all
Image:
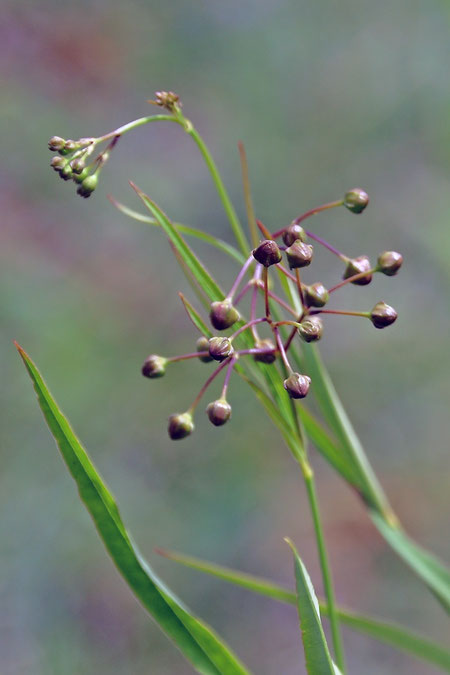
{"x":268,"y":355}
{"x":58,"y":163}
{"x":292,"y":233}
{"x":383,"y":315}
{"x":311,"y":329}
{"x":220,"y":348}
{"x":299,"y":254}
{"x":297,"y":385}
{"x":356,"y":200}
{"x":154,"y":366}
{"x":56,"y":143}
{"x":202,"y":345}
{"x":316,"y":295}
{"x":267,"y":253}
{"x":356,"y":266}
{"x":223,"y":314}
{"x":180,"y":426}
{"x":390,"y":262}
{"x":218,"y":412}
{"x":77,"y":165}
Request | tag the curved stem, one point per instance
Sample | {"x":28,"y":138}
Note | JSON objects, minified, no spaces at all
{"x":239,"y":277}
{"x":207,"y":383}
{"x":311,"y":212}
{"x":228,"y":375}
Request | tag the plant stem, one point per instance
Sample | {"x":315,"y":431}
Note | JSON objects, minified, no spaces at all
{"x":207,"y":383}
{"x":239,"y":277}
{"x":350,"y":280}
{"x":136,"y":123}
{"x":311,"y":212}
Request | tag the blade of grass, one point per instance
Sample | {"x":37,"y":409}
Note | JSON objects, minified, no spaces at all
{"x":184,"y":229}
{"x":195,"y":317}
{"x":387,"y":632}
{"x":199,"y":644}
{"x":317,"y":655}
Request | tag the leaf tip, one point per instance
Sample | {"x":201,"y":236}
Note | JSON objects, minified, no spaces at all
{"x":162,"y":552}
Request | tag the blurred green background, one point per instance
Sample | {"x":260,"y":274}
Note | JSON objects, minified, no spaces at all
{"x":326,"y":95}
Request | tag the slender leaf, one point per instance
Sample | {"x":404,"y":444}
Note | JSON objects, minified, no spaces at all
{"x":317,"y":655}
{"x":185,"y":229}
{"x":199,"y":644}
{"x":387,"y":632}
{"x":195,"y":317}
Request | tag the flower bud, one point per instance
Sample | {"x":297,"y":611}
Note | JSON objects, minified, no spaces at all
{"x":356,"y":200}
{"x":202,"y":345}
{"x":154,"y":366}
{"x":292,"y":233}
{"x":316,"y":295}
{"x":88,"y":186}
{"x":180,"y":426}
{"x":70,"y":146}
{"x":58,"y":163}
{"x":223,"y":314}
{"x":356,"y":266}
{"x":311,"y":329}
{"x":389,"y":263}
{"x":220,"y":348}
{"x":297,"y":385}
{"x":56,"y":143}
{"x":77,"y":165}
{"x":66,"y":173}
{"x":299,"y":254}
{"x":268,"y":355}
{"x":267,"y":253}
{"x":79,"y":177}
{"x":383,"y":315}
{"x":218,"y":412}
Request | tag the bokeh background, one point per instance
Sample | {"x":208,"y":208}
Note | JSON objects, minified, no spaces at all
{"x":326,"y":95}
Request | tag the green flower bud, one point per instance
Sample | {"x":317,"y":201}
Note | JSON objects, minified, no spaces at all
{"x":70,"y":146}
{"x":356,"y":200}
{"x":66,"y":172}
{"x":292,"y":233}
{"x":299,"y":254}
{"x":383,"y":315}
{"x":389,"y":263}
{"x":223,"y":314}
{"x":180,"y":426}
{"x":268,"y":355}
{"x":218,"y":412}
{"x":220,"y":348}
{"x":56,"y":143}
{"x":202,"y":345}
{"x":316,"y":295}
{"x":154,"y":366}
{"x":267,"y":253}
{"x":356,"y":266}
{"x":297,"y":385}
{"x":88,"y":186}
{"x":77,"y":165}
{"x":311,"y":329}
{"x":79,"y":177}
{"x":58,"y":163}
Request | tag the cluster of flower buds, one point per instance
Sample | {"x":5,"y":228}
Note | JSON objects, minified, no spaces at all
{"x":306,"y":322}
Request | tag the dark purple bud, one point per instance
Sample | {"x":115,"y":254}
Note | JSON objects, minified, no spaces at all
{"x":218,"y":412}
{"x":383,"y":315}
{"x":88,"y":186}
{"x":356,"y":266}
{"x":58,"y":163}
{"x":220,"y":348}
{"x":389,"y":263}
{"x":356,"y":200}
{"x":267,"y":253}
{"x":268,"y":354}
{"x":292,"y":233}
{"x":202,"y":345}
{"x":311,"y":329}
{"x":56,"y":143}
{"x":223,"y":314}
{"x":180,"y":426}
{"x":297,"y":385}
{"x":316,"y":295}
{"x":299,"y":254}
{"x":154,"y":366}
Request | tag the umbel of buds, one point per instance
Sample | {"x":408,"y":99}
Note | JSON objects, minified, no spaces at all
{"x":316,"y":295}
{"x":383,"y":315}
{"x":220,"y":348}
{"x":292,"y":233}
{"x":202,"y":345}
{"x":267,"y":253}
{"x":297,"y":385}
{"x":299,"y":254}
{"x":180,"y":426}
{"x":311,"y":329}
{"x":389,"y":263}
{"x":267,"y":353}
{"x":218,"y":412}
{"x":154,"y":366}
{"x":356,"y":200}
{"x":357,"y":266}
{"x":223,"y":314}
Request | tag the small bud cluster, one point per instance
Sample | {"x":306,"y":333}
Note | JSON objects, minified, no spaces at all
{"x":308,"y":325}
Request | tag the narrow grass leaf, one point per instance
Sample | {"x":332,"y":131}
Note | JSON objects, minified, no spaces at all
{"x":195,"y":317}
{"x":199,"y":644}
{"x":317,"y":655}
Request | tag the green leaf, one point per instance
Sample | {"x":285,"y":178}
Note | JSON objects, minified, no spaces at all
{"x":185,"y":229}
{"x":317,"y":655}
{"x":199,"y":644}
{"x":195,"y":317}
{"x":387,"y":632}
